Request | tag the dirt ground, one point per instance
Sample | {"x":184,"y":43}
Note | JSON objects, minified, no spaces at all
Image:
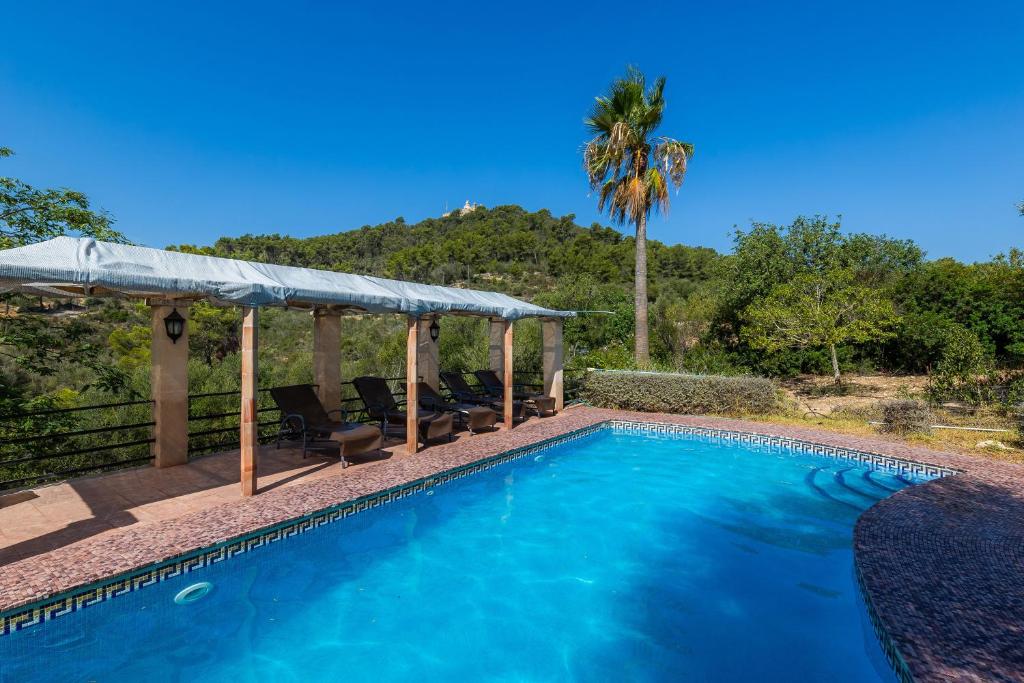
{"x":856,"y":405}
{"x":818,"y":395}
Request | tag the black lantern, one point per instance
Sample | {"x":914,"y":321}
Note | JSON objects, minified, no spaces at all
{"x":435,"y":330}
{"x":175,"y":325}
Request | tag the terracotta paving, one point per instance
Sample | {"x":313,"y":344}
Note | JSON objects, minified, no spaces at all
{"x":942,"y":563}
{"x":60,"y":515}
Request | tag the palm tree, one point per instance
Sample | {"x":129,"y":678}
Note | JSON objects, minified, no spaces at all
{"x":631,"y":170}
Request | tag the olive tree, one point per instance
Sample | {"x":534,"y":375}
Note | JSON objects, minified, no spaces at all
{"x":819,"y":310}
{"x":40,"y":345}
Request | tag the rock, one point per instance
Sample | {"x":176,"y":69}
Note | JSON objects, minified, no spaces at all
{"x":992,"y":443}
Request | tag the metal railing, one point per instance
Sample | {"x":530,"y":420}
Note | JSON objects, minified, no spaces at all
{"x":56,"y":443}
{"x":43,"y":445}
{"x":219,"y":430}
{"x":572,"y":382}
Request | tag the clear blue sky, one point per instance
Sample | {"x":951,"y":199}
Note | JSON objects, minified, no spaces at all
{"x":191,"y":121}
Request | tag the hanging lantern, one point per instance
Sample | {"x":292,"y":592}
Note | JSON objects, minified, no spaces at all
{"x":435,"y":330}
{"x":175,"y":325}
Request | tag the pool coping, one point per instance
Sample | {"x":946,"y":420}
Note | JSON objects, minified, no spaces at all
{"x":894,"y":612}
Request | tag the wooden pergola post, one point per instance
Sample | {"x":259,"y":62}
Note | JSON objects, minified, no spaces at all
{"x":428,"y":357}
{"x":249,"y":422}
{"x":169,"y":386}
{"x":411,"y":377}
{"x":327,"y":357}
{"x":553,"y":359}
{"x":507,"y":378}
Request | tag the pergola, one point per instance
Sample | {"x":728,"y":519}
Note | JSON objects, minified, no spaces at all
{"x":170,"y":281}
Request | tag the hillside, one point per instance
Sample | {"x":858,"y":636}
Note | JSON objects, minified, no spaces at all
{"x":963,"y":318}
{"x":505,"y":248}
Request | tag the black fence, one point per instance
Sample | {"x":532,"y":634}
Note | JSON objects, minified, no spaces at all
{"x":572,"y":382}
{"x":214,"y":419}
{"x":57,"y":443}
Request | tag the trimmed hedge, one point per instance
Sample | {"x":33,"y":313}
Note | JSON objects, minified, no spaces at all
{"x":906,"y":417}
{"x":655,"y":392}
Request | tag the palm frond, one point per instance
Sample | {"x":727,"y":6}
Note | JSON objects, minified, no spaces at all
{"x":630,"y":171}
{"x":606,"y":195}
{"x":657,"y":190}
{"x":672,"y":156}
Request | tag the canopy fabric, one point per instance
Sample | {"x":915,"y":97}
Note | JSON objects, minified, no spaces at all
{"x":84,"y":266}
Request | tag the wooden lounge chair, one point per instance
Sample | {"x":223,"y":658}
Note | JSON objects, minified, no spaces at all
{"x":304,"y":418}
{"x":381,"y":405}
{"x":541,"y":403}
{"x":474,"y":417}
{"x":461,"y":391}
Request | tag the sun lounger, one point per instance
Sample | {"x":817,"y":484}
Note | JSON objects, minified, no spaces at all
{"x":494,"y":386}
{"x":461,"y":391}
{"x":474,"y":417}
{"x":381,"y":405}
{"x":304,"y":417}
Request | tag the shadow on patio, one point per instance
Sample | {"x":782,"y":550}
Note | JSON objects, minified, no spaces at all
{"x":37,"y":520}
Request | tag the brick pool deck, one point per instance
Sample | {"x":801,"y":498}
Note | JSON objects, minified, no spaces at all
{"x":942,"y":563}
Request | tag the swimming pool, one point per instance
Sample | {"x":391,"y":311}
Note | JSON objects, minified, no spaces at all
{"x":618,"y":556}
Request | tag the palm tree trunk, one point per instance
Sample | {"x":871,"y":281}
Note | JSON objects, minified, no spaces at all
{"x":642,"y":353}
{"x":835,"y":364}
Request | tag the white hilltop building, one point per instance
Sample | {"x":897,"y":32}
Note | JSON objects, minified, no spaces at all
{"x":467,"y":208}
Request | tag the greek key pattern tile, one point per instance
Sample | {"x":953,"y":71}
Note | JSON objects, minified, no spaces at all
{"x":886,"y":462}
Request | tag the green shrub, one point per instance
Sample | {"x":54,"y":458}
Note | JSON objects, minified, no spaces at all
{"x":710,"y":360}
{"x":676,"y":393}
{"x":906,"y":416}
{"x":965,"y":371}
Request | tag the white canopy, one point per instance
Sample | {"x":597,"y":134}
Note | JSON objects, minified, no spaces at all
{"x":87,"y":267}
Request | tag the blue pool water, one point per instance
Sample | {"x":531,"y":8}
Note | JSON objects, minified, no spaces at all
{"x":617,"y":557}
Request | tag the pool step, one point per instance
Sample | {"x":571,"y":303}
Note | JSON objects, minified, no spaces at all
{"x":854,"y":487}
{"x":849,"y":479}
{"x":823,"y":482}
{"x":883,"y":481}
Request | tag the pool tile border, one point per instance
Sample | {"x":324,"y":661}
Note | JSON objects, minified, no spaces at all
{"x":902,"y":465}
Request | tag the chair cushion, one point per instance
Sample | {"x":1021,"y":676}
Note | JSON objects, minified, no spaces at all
{"x":480,"y":417}
{"x":438,"y":426}
{"x":357,"y":438}
{"x":544,"y":404}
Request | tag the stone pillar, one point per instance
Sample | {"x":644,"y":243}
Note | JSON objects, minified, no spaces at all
{"x":249,"y":422}
{"x":507,"y":374}
{"x":327,"y":357}
{"x":553,"y":353}
{"x":496,"y":346}
{"x":412,"y":400}
{"x":169,"y":385}
{"x":428,"y":358}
